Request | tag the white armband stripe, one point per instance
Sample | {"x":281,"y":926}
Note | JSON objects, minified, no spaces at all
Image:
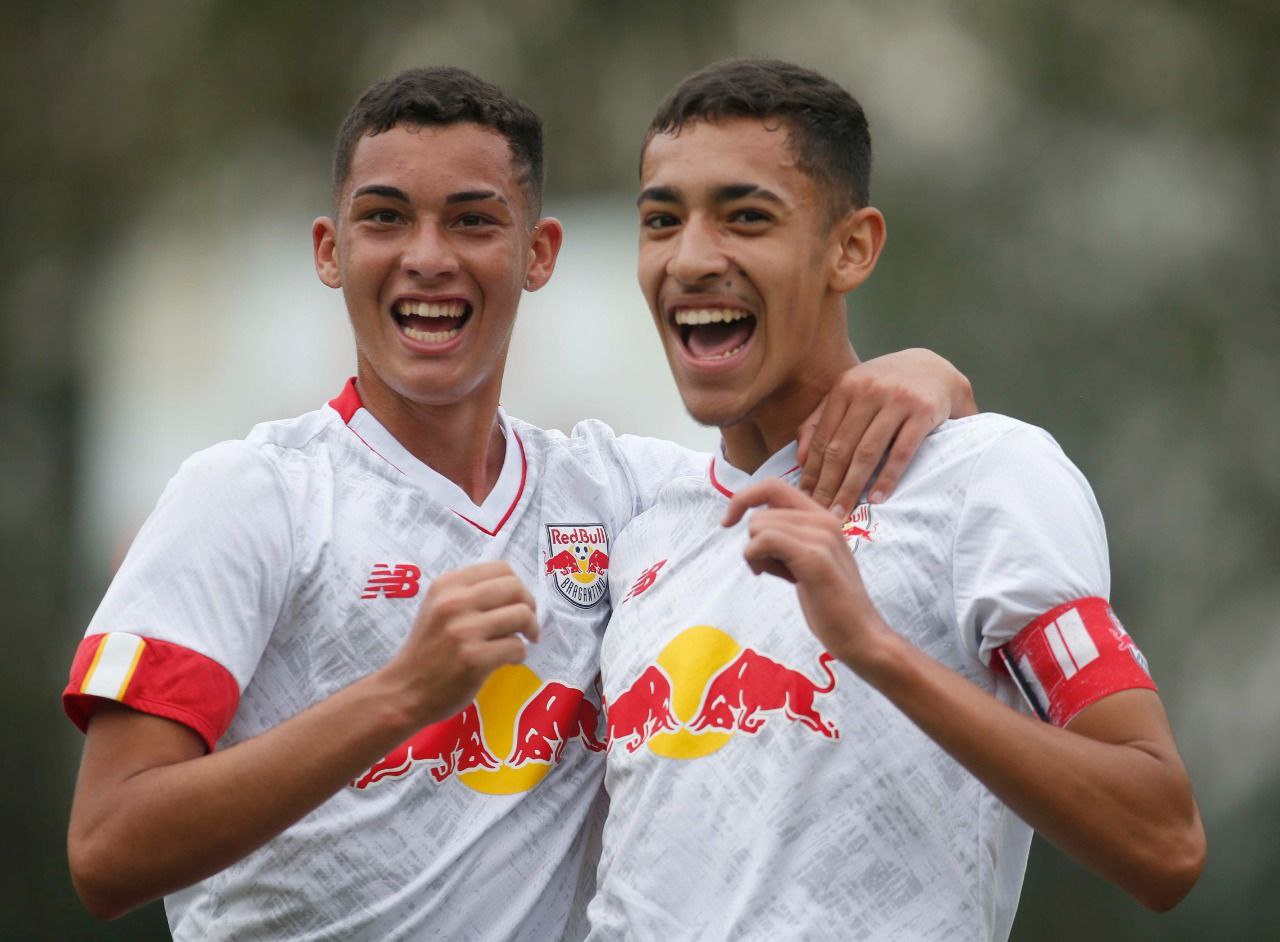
{"x":113,"y":666}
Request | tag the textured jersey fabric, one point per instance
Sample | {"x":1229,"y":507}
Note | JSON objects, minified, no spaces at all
{"x":760,"y":790}
{"x":278,"y":569}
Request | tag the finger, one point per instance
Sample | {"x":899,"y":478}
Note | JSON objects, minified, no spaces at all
{"x":771,"y":567}
{"x":839,"y":429}
{"x":477,"y":572}
{"x":826,"y":415}
{"x":811,"y":523}
{"x":496,"y":623}
{"x":876,"y":443}
{"x":772,"y":493}
{"x":491,"y":655}
{"x":854,"y":452}
{"x":491,"y":593}
{"x":909,"y":438}
{"x":772,"y":552}
{"x":804,"y":434}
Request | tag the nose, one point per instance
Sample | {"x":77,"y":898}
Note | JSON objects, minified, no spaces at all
{"x":697,"y":253}
{"x":429,"y":252}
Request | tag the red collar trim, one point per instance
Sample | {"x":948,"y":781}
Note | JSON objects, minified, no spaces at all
{"x":715,"y":481}
{"x":524,"y":474}
{"x":347,"y":403}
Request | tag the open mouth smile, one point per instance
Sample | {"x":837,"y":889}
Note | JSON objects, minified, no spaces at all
{"x":431,"y":321}
{"x":713,"y":333}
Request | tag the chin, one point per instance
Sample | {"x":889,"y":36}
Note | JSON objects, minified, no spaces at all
{"x":716,"y":411}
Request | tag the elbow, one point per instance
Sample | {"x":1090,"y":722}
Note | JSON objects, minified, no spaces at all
{"x":1172,"y":874}
{"x":96,"y":879}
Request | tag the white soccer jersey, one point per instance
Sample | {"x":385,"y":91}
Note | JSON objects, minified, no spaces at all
{"x":760,"y":790}
{"x":279,"y":569}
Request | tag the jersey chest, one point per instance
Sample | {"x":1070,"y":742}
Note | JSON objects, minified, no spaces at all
{"x":700,"y":644}
{"x":367,"y":554}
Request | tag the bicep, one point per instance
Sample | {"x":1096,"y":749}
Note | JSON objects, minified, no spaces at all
{"x":1133,"y":718}
{"x":121,"y":743}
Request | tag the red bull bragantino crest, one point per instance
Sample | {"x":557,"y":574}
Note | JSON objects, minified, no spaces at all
{"x":578,"y":561}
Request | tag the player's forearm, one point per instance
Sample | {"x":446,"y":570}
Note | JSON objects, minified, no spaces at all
{"x":1124,"y":809}
{"x":163,"y":828}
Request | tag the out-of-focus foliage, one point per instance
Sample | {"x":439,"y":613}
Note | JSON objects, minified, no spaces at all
{"x":1084,"y":208}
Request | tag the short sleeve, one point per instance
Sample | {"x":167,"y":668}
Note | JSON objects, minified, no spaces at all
{"x":1029,"y":538}
{"x":651,"y":463}
{"x":184,"y":623}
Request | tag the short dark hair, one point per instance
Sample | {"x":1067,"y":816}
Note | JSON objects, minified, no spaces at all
{"x":827,"y":128}
{"x":443,"y":95}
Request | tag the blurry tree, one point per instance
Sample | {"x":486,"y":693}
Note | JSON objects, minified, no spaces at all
{"x":1084,"y":203}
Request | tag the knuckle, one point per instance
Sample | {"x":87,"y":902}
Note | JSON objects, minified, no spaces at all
{"x":448,"y":605}
{"x":867,"y":452}
{"x":834,"y":450}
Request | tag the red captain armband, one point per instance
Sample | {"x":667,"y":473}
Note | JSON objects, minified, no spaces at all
{"x":151,"y":676}
{"x":1071,"y":657}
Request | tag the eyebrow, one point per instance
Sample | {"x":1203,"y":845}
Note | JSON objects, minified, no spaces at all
{"x":395,"y":193}
{"x":658,"y":194}
{"x":721,"y":194}
{"x":381,"y":189}
{"x":475,"y":196}
{"x":736,"y":191}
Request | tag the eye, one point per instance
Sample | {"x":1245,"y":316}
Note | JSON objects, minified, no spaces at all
{"x":750,"y":216}
{"x":384,"y":217}
{"x":472,"y":221}
{"x":659,"y":221}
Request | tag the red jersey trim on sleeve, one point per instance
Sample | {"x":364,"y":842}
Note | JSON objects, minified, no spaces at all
{"x":152,"y":676}
{"x":1071,"y":657}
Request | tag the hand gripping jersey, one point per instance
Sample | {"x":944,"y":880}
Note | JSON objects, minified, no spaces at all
{"x":279,"y":569}
{"x":758,"y":789}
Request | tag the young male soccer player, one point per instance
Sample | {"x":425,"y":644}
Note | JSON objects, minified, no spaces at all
{"x":311,"y":709}
{"x":866,"y":777}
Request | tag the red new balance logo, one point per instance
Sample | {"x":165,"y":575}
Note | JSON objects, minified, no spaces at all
{"x":647,"y":578}
{"x":398,"y":583}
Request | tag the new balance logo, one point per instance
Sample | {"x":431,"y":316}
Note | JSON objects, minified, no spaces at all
{"x":398,"y":583}
{"x":647,"y":578}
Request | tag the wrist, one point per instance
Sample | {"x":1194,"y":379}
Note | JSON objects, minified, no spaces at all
{"x":879,"y":655}
{"x":401,"y":702}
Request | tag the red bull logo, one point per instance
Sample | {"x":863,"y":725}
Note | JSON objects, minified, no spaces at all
{"x":641,"y":711}
{"x":452,"y":745}
{"x":705,"y":687}
{"x":578,"y":561}
{"x":505,"y":742}
{"x":858,"y":526}
{"x":556,"y":715}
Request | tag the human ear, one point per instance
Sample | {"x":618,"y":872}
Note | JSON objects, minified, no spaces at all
{"x":324,"y":248}
{"x":856,"y":241}
{"x":548,"y":235}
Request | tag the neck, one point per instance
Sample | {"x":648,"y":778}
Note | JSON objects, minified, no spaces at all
{"x":461,"y":440}
{"x":775,"y":422}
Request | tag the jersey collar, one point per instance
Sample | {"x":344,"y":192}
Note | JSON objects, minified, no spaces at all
{"x":728,"y":480}
{"x":488,"y":516}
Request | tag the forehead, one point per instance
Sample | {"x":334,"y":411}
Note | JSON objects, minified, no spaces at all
{"x":435,"y":160}
{"x":707,"y":155}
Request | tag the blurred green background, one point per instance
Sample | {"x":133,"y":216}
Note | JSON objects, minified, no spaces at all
{"x":1084,"y":210}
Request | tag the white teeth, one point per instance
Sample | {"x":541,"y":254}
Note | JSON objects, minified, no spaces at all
{"x":725,"y":355}
{"x":694,"y":316}
{"x":431,"y":308}
{"x":427,"y":336}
